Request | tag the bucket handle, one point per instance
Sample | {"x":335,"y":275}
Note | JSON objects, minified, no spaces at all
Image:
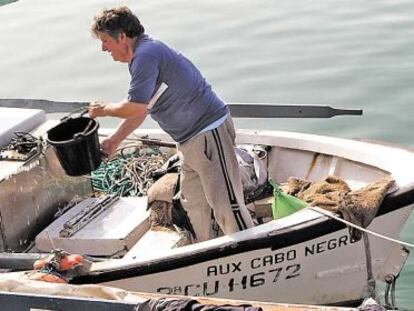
{"x":82,"y":111}
{"x":85,"y":131}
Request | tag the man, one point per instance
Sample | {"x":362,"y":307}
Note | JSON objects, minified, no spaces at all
{"x":170,"y":88}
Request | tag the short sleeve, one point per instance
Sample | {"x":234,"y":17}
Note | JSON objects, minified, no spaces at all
{"x":144,"y":71}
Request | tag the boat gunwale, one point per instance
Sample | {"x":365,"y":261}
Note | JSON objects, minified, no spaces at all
{"x":381,"y":156}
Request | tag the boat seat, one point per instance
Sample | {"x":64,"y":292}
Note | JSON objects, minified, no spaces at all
{"x":112,"y":232}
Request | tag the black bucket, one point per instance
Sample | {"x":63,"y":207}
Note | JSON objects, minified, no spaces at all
{"x":76,"y":143}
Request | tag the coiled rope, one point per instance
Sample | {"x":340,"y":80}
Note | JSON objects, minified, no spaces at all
{"x":23,"y":142}
{"x":129,"y":174}
{"x":23,"y":147}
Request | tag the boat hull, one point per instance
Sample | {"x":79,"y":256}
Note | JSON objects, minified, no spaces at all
{"x":304,"y":258}
{"x":320,"y":266}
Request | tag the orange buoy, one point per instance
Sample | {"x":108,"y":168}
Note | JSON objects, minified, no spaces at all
{"x":39,"y":264}
{"x":70,"y":261}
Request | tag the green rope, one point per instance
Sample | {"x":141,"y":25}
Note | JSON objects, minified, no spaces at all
{"x":128,"y":174}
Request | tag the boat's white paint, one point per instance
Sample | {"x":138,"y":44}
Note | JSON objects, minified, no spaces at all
{"x":332,"y":275}
{"x":15,"y":119}
{"x":383,"y":158}
{"x":155,"y":243}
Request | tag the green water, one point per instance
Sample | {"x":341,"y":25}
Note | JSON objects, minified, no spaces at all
{"x":2,"y":2}
{"x":345,"y":53}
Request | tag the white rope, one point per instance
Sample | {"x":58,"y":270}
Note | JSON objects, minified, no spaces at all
{"x":326,"y":213}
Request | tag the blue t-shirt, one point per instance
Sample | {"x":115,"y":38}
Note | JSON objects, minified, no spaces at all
{"x":188,"y":105}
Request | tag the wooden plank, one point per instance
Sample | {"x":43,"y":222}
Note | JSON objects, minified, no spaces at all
{"x":26,"y":302}
{"x":266,"y":306}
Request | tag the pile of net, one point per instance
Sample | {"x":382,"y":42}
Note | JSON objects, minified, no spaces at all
{"x":130,"y":172}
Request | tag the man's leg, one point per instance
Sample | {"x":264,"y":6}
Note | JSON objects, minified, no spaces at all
{"x":195,"y":203}
{"x":211,"y":155}
{"x":227,"y":200}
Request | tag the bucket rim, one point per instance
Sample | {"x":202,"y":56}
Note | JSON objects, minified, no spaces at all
{"x":77,"y":136}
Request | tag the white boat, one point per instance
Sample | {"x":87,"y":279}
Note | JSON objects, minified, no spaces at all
{"x":306,"y":258}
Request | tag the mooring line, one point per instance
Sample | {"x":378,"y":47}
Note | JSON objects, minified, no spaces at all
{"x":326,"y":213}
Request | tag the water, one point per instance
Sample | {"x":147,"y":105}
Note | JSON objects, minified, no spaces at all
{"x":345,"y":53}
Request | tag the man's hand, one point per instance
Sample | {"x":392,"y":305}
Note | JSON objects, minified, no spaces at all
{"x":132,"y":113}
{"x":109,"y":146}
{"x":97,"y":109}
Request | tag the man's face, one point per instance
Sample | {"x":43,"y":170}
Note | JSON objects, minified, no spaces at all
{"x":117,"y":47}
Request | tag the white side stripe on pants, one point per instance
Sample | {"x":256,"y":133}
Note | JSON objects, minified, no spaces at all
{"x":232,"y":197}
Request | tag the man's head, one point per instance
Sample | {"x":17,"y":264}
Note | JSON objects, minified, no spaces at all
{"x":117,"y":28}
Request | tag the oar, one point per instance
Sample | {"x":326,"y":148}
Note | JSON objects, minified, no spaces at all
{"x":46,"y":105}
{"x":287,"y":111}
{"x":238,"y":110}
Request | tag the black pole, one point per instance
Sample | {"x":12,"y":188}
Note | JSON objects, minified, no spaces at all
{"x":238,"y":110}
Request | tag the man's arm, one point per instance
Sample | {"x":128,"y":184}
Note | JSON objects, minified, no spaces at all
{"x":132,"y":113}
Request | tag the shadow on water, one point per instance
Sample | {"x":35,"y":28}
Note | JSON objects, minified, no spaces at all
{"x":4,"y":2}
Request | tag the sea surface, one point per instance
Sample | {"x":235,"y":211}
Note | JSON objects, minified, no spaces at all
{"x":344,"y":53}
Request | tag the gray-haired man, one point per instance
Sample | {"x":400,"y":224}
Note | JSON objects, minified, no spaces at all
{"x":172,"y":90}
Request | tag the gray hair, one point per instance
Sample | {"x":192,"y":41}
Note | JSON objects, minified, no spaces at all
{"x":115,"y":21}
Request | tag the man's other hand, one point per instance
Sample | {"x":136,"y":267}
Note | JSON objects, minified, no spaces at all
{"x":109,"y":146}
{"x":97,"y":109}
